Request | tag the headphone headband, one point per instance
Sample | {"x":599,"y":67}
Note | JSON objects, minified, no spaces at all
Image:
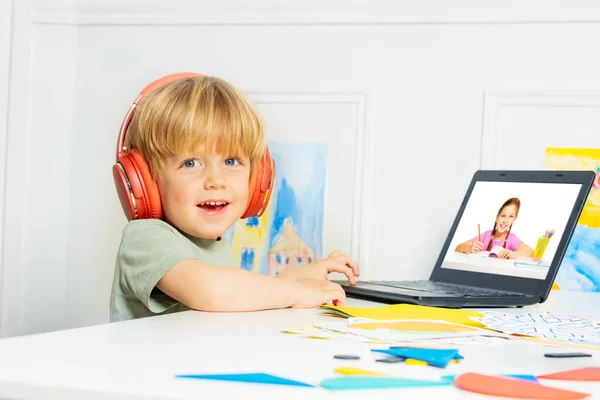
{"x":121,"y":149}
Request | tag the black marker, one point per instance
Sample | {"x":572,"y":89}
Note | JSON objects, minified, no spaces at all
{"x":346,"y":357}
{"x":567,"y":355}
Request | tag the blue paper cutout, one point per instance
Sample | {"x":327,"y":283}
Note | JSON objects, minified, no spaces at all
{"x":435,"y":357}
{"x":249,"y":378}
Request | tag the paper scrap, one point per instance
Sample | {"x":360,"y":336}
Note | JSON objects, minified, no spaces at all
{"x":531,"y":378}
{"x":408,"y":311}
{"x":249,"y":378}
{"x":372,"y":382}
{"x":407,"y":331}
{"x":543,"y":325}
{"x":511,"y":388}
{"x":358,"y":371}
{"x":577,"y":344}
{"x":436,"y":357}
{"x":580,"y":374}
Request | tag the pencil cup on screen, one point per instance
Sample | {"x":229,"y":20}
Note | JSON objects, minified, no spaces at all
{"x":540,"y":247}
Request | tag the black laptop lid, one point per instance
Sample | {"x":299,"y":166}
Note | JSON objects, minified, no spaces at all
{"x":528,"y":216}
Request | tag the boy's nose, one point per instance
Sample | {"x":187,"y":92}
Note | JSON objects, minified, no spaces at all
{"x":214,"y":180}
{"x":214,"y":183}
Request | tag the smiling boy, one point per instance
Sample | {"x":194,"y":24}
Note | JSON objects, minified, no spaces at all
{"x":201,"y":142}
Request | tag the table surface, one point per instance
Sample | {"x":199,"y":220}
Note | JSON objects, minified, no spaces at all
{"x":138,"y":359}
{"x":472,"y":262}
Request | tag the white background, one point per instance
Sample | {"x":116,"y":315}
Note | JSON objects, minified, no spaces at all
{"x":543,"y":206}
{"x":411,"y":97}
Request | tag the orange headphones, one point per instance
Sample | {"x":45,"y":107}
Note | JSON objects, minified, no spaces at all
{"x":138,"y":191}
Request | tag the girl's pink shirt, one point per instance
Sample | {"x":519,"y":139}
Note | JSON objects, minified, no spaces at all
{"x":511,"y":243}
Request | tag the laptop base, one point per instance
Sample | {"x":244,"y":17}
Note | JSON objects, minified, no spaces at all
{"x":392,"y":295}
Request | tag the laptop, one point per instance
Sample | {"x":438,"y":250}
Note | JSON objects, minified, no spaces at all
{"x":504,"y":247}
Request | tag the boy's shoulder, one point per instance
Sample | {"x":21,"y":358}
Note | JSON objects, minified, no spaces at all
{"x":144,"y":232}
{"x":147,"y":225}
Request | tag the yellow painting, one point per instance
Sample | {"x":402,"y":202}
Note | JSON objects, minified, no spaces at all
{"x":569,"y":159}
{"x":580,"y":268}
{"x":253,"y":232}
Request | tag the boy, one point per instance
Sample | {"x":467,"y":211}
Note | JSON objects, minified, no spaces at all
{"x":202,"y":140}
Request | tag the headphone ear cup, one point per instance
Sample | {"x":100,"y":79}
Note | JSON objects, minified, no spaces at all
{"x":253,"y":193}
{"x":261,"y":186}
{"x":149,"y":188}
{"x":137,"y":190}
{"x":124,"y":191}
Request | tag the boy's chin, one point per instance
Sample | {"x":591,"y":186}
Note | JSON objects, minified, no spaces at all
{"x":211,"y":234}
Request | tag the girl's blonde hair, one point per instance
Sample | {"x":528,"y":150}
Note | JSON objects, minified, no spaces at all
{"x":180,"y":117}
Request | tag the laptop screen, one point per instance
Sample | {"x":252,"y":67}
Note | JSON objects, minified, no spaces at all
{"x":511,"y":228}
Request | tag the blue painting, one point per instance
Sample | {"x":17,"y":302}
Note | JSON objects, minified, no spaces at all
{"x":580,"y":267}
{"x":290,"y":231}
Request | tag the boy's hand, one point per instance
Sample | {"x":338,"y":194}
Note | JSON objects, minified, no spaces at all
{"x":336,"y":262}
{"x":314,"y":293}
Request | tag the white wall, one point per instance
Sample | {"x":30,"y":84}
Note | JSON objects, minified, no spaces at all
{"x":5,"y":49}
{"x":421,"y":95}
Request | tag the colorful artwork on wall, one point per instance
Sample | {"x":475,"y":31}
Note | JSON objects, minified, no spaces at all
{"x":290,"y":231}
{"x":580,"y":268}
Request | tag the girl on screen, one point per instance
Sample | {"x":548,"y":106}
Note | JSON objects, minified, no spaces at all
{"x":501,"y":235}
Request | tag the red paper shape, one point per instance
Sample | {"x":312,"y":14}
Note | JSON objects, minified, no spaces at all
{"x":580,"y":374}
{"x":512,"y":388}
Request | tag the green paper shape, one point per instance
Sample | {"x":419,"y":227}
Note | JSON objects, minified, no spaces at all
{"x":370,"y":382}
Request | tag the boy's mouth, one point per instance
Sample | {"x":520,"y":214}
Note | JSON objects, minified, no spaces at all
{"x":213,"y":207}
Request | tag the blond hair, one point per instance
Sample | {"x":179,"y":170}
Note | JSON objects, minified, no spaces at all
{"x":180,"y":117}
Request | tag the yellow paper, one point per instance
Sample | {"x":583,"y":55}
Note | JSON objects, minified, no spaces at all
{"x":416,"y":326}
{"x":412,"y":361}
{"x":357,"y":371}
{"x":411,"y":311}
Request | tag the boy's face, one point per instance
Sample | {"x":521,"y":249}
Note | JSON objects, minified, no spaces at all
{"x":204,"y":193}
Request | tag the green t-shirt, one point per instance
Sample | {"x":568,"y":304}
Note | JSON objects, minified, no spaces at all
{"x":149,"y":248}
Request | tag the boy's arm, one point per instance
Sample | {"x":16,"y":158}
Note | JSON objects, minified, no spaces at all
{"x":204,"y":287}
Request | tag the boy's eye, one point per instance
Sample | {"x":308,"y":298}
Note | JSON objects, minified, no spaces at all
{"x":232,"y":161}
{"x":190,"y":163}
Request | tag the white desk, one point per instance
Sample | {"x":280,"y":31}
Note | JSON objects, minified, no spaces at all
{"x":472,"y":262}
{"x":138,"y":359}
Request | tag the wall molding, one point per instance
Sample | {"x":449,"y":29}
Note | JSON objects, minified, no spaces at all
{"x":326,"y":12}
{"x":495,"y":102}
{"x":363,"y":100}
{"x":6,"y":12}
{"x":16,"y":193}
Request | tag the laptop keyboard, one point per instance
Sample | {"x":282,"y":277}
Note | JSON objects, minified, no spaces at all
{"x":440,"y":287}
